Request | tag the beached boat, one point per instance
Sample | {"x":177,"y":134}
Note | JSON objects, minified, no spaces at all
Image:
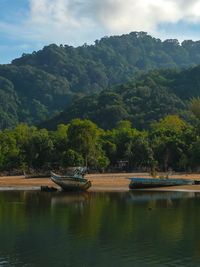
{"x":72,"y":182}
{"x":140,"y":183}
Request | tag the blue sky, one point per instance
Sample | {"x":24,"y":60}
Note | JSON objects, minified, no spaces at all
{"x":28,"y":25}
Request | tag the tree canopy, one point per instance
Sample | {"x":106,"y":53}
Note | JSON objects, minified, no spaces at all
{"x":37,"y":86}
{"x":170,"y":144}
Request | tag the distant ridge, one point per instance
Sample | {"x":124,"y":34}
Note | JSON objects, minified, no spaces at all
{"x":37,"y":86}
{"x":149,"y":98}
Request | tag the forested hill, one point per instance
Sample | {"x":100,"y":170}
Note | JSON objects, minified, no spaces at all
{"x":144,"y":101}
{"x":37,"y":86}
{"x":112,"y":60}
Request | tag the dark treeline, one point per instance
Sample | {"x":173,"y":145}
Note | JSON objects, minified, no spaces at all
{"x":40,"y":85}
{"x":143,"y":101}
{"x":171,"y":143}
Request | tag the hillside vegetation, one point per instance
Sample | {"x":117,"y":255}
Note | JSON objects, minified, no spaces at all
{"x":37,"y":86}
{"x":147,"y":99}
{"x":170,"y":143}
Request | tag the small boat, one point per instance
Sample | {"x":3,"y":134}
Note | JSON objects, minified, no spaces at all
{"x":72,"y":182}
{"x":140,"y":183}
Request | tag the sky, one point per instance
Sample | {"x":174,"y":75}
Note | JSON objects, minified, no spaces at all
{"x":28,"y":25}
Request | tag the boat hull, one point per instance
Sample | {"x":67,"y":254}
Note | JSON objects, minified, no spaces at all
{"x":142,"y":183}
{"x":70,"y":183}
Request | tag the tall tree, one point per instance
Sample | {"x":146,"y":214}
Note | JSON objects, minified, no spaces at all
{"x":84,"y":138}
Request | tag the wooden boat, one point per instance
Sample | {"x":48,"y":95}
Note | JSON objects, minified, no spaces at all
{"x":72,"y":182}
{"x":140,"y":183}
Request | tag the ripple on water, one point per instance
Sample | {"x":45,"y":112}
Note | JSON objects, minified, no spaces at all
{"x":105,"y":230}
{"x":3,"y":262}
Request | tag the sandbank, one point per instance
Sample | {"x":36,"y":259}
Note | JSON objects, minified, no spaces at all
{"x":100,"y":182}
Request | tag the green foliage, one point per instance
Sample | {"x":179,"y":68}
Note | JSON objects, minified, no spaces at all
{"x":194,"y":154}
{"x":38,"y":86}
{"x":9,"y":104}
{"x":39,"y":150}
{"x":83,"y":137}
{"x":60,"y":143}
{"x":113,"y":84}
{"x":194,"y":106}
{"x":102,"y":162}
{"x":169,"y":125}
{"x":128,"y":144}
{"x":171,"y":143}
{"x":111,"y":60}
{"x":72,"y":158}
{"x":8,"y":150}
{"x":28,"y":94}
{"x":141,"y":102}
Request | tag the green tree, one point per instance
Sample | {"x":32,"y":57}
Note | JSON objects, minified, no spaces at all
{"x":194,"y":106}
{"x":84,"y":138}
{"x":194,"y":154}
{"x":39,"y":150}
{"x":8,"y":150}
{"x":169,"y":144}
{"x":60,"y":143}
{"x":23,"y":135}
{"x":71,"y":158}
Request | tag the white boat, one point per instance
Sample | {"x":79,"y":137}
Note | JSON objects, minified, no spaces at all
{"x":72,"y":182}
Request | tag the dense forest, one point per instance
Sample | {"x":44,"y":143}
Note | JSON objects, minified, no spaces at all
{"x":143,"y":101}
{"x":129,"y":98}
{"x":37,"y":86}
{"x":170,"y":143}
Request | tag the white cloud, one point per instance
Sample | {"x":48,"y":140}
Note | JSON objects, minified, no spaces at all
{"x":119,"y":15}
{"x":79,"y":21}
{"x":83,"y":19}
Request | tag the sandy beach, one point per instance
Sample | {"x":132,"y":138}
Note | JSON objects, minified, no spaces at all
{"x":100,"y":182}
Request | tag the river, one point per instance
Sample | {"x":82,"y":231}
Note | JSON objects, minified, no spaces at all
{"x":99,"y":229}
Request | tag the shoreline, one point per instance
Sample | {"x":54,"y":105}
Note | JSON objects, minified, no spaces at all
{"x":109,"y":182}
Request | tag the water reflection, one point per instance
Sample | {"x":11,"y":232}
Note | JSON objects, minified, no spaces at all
{"x":160,"y":199}
{"x":62,"y":198}
{"x":99,"y":229}
{"x":149,"y":195}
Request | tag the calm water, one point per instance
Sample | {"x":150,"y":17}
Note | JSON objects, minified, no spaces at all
{"x":99,"y":229}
